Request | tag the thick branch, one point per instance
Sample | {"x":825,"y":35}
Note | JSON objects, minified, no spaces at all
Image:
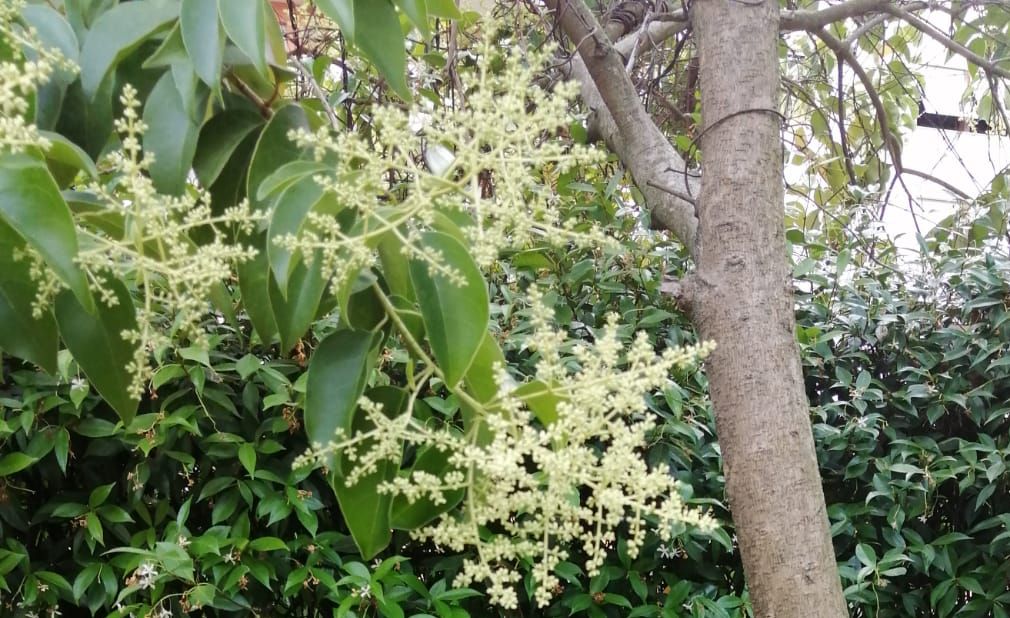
{"x":625,"y":125}
{"x":812,"y":21}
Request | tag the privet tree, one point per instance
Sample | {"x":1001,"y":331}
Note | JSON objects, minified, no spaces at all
{"x":740,"y":296}
{"x":151,"y":149}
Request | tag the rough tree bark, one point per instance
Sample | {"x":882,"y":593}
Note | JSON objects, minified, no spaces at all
{"x":740,"y":295}
{"x":744,"y":301}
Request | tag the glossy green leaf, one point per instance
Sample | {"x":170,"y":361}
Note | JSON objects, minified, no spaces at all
{"x":171,"y":51}
{"x":116,"y":33}
{"x":274,"y":149}
{"x":541,"y":399}
{"x":481,"y":377}
{"x":406,"y":515}
{"x":365,"y":510}
{"x":22,"y":335}
{"x":98,"y":346}
{"x":204,"y":39}
{"x":290,"y":210}
{"x":295,"y":311}
{"x":338,"y":373}
{"x":172,"y":132}
{"x":15,"y":462}
{"x":219,"y":138}
{"x":374,"y":27}
{"x":245,"y":23}
{"x":254,"y":283}
{"x":395,"y":267}
{"x":54,"y":32}
{"x":288,"y":174}
{"x":455,"y":316}
{"x":378,"y":35}
{"x":444,"y":8}
{"x":66,"y":158}
{"x":417,"y":12}
{"x":342,"y":12}
{"x":30,"y":202}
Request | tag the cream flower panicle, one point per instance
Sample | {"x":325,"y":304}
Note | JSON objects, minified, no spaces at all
{"x":546,"y":483}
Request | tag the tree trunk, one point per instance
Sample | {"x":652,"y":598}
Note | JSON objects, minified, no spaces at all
{"x":743,"y":301}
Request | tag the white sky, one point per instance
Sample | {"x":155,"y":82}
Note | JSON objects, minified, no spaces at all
{"x":969,"y":161}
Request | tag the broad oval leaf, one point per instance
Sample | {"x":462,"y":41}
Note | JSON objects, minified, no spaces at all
{"x":116,"y":33}
{"x":373,"y":26}
{"x":365,"y":510}
{"x":203,"y":37}
{"x":172,"y":131}
{"x":295,"y":310}
{"x":338,"y":373}
{"x":97,"y":344}
{"x":455,"y":316}
{"x":22,"y":335}
{"x":219,"y":138}
{"x":407,"y":515}
{"x":274,"y":149}
{"x":245,"y":23}
{"x":30,"y":202}
{"x":289,"y":213}
{"x":342,"y":12}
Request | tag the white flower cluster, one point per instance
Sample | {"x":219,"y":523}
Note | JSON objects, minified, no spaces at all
{"x":19,"y":80}
{"x":155,"y":250}
{"x":545,"y":483}
{"x":496,"y":160}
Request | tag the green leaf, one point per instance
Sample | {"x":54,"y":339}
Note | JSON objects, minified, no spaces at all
{"x":444,"y":8}
{"x":274,"y":149}
{"x":342,"y":12}
{"x":203,"y":38}
{"x":541,"y":400}
{"x":268,"y":543}
{"x":338,"y":372}
{"x":15,"y":462}
{"x":247,"y":457}
{"x":245,"y":23}
{"x":481,"y":378}
{"x":97,"y":344}
{"x":30,"y":202}
{"x":365,"y":510}
{"x":116,"y":33}
{"x":219,"y":138}
{"x":254,"y":282}
{"x":295,"y":313}
{"x":99,"y":495}
{"x":66,"y":158}
{"x":172,"y":132}
{"x":406,"y":515}
{"x":84,"y":579}
{"x":374,"y":27}
{"x":33,"y":339}
{"x":54,"y":32}
{"x":289,"y":213}
{"x":417,"y":12}
{"x":455,"y":316}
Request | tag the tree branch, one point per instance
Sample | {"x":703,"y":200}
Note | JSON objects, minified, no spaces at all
{"x":929,"y":30}
{"x":844,"y":53}
{"x":624,"y":123}
{"x":812,"y":21}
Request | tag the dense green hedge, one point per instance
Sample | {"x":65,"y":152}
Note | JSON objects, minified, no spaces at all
{"x":906,"y":375}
